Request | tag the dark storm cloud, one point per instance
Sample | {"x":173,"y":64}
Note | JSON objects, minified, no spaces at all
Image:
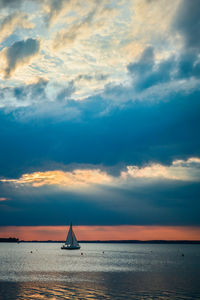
{"x":142,"y":203}
{"x":187,"y":22}
{"x":146,"y":72}
{"x":19,"y":53}
{"x":37,"y":97}
{"x":138,"y":133}
{"x":144,"y":64}
{"x":35,"y":91}
{"x":188,"y":65}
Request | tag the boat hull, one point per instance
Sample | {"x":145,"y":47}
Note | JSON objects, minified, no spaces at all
{"x":70,"y":248}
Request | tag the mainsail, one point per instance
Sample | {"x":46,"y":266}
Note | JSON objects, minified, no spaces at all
{"x":71,"y":240}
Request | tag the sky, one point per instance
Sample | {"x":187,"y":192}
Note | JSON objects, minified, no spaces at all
{"x":99,"y":118}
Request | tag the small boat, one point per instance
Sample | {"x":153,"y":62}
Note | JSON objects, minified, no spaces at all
{"x":71,"y":241}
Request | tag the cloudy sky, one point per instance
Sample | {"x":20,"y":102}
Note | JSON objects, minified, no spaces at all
{"x":99,"y":117}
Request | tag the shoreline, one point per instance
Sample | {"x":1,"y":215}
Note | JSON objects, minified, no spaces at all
{"x":196,"y":242}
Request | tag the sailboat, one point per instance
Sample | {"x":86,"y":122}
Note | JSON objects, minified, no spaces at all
{"x":71,"y":241}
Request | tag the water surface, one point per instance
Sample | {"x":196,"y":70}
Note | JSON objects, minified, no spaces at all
{"x":103,"y":271}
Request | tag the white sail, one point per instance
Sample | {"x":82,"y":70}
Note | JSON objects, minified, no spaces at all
{"x":71,"y":241}
{"x":74,"y":240}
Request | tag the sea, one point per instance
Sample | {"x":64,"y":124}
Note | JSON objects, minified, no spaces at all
{"x":99,"y":271}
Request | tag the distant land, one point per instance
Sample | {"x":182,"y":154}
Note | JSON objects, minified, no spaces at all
{"x":9,"y":240}
{"x":16,"y":240}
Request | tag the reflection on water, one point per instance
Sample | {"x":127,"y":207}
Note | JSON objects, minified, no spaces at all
{"x":103,"y":286}
{"x":121,"y":272}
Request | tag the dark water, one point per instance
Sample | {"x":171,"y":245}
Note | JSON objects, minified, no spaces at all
{"x":123,"y":271}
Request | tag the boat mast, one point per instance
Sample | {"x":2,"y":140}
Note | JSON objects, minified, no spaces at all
{"x":72,"y":233}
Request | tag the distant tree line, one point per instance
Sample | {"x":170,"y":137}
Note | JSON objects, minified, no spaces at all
{"x":9,"y":240}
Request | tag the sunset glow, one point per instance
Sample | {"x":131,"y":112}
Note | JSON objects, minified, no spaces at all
{"x":90,"y":233}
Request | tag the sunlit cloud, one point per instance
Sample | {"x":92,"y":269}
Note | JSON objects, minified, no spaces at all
{"x":187,"y":162}
{"x":13,"y":21}
{"x":57,"y":11}
{"x":188,"y":170}
{"x":65,"y":179}
{"x":84,"y":39}
{"x":151,"y":21}
{"x":88,"y":23}
{"x":78,"y":38}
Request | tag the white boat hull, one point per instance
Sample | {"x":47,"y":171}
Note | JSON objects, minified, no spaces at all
{"x":70,"y":247}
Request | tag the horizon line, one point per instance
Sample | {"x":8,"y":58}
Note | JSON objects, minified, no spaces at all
{"x":104,"y":241}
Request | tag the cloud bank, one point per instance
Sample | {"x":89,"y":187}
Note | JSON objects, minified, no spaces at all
{"x":19,"y":54}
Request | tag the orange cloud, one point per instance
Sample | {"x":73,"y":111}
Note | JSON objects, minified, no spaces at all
{"x":68,"y":179}
{"x":12,"y":22}
{"x":179,"y":170}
